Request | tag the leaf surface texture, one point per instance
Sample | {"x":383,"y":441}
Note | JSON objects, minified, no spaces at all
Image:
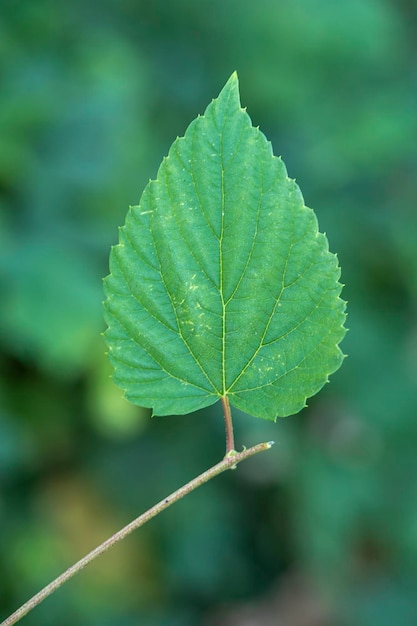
{"x":221,"y":283}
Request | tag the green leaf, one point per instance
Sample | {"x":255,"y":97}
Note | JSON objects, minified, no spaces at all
{"x":221,"y":284}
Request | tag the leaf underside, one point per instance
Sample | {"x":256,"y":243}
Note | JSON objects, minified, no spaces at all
{"x":221,"y":284}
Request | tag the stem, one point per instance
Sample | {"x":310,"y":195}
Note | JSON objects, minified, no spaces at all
{"x":230,"y":441}
{"x":227,"y":463}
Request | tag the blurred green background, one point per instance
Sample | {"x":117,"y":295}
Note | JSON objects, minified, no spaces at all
{"x":322,"y":530}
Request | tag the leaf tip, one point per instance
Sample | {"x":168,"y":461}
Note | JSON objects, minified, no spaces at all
{"x":232,"y":85}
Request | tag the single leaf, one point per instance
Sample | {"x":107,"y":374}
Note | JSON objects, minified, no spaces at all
{"x":221,"y":284}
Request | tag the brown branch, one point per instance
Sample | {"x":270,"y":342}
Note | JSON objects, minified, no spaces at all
{"x":230,"y":461}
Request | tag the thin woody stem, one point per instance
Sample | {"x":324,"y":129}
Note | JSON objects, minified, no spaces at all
{"x":227,"y":463}
{"x":230,"y":441}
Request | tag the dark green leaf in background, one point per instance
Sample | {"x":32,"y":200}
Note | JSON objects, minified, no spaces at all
{"x":221,"y":283}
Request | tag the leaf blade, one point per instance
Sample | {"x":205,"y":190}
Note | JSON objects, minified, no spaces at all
{"x":221,"y":283}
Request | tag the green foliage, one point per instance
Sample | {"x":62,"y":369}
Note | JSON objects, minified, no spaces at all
{"x":221,"y":284}
{"x":84,"y":120}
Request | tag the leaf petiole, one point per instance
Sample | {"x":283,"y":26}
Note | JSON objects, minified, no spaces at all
{"x":230,"y":440}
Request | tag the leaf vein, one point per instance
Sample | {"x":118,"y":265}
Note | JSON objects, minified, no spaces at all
{"x":196,"y":360}
{"x":267,"y":325}
{"x":157,"y":361}
{"x":292,"y":369}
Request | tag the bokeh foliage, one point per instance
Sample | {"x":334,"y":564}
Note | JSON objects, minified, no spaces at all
{"x":92,"y":94}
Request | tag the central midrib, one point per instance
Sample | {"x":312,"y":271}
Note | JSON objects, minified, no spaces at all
{"x":221,"y":283}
